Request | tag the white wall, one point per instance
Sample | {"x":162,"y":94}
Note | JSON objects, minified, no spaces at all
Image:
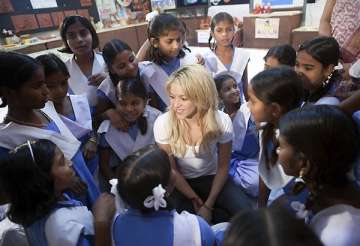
{"x":313,"y":11}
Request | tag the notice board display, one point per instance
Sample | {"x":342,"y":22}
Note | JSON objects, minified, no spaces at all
{"x":28,"y":16}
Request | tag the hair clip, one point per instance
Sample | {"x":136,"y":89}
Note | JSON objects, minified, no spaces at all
{"x":31,"y":150}
{"x":157,"y":199}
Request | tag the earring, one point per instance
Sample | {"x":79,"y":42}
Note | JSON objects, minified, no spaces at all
{"x":299,"y":183}
{"x":277,"y":151}
{"x":324,"y":83}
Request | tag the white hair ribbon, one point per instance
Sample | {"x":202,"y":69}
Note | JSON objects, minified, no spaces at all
{"x":120,"y":205}
{"x":157,"y":199}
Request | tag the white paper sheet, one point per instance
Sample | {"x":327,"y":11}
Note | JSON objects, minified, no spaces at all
{"x":43,"y":4}
{"x":267,"y":28}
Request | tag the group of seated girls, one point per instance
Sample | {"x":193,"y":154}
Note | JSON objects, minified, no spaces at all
{"x":181,"y":145}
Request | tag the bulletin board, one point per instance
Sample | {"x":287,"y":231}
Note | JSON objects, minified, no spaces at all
{"x":28,"y":16}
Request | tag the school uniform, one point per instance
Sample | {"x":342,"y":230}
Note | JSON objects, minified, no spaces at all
{"x":274,"y":177}
{"x":161,"y":228}
{"x":80,"y":125}
{"x":328,"y":100}
{"x":239,"y":63}
{"x":244,"y":158}
{"x":70,"y":224}
{"x":337,"y":225}
{"x":13,"y":134}
{"x":155,"y":76}
{"x":107,"y":90}
{"x":125,"y":143}
{"x":78,"y":82}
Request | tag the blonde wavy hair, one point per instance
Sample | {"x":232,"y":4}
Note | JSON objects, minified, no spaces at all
{"x":199,"y":87}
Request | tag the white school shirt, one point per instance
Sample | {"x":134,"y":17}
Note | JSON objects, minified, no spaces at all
{"x":109,"y":89}
{"x":78,"y":82}
{"x":328,"y":100}
{"x":13,"y":134}
{"x":83,"y":121}
{"x":240,"y":124}
{"x":273,"y":177}
{"x":153,"y":75}
{"x":65,"y":225}
{"x":122,"y":143}
{"x":241,"y":58}
{"x":337,"y":225}
{"x":194,"y":165}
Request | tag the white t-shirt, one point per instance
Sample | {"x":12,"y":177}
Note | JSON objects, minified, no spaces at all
{"x":194,"y":165}
{"x":337,"y":225}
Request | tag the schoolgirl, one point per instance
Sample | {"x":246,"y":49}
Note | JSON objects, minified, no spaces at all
{"x":121,"y":64}
{"x":321,"y":162}
{"x":74,"y":110}
{"x":166,"y":35}
{"x":315,"y":63}
{"x":86,"y":67}
{"x":245,"y":149}
{"x":223,"y":56}
{"x":272,"y":93}
{"x":116,"y":145}
{"x":34,"y":177}
{"x":144,"y":181}
{"x":280,"y":55}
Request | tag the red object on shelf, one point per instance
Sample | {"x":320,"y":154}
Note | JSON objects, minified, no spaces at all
{"x":268,"y":8}
{"x":257,"y":9}
{"x":263,"y":9}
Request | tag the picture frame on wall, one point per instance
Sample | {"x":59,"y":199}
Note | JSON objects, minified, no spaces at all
{"x":278,"y":4}
{"x":163,"y":4}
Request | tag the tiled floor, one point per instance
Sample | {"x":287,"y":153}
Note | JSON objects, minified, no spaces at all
{"x":256,"y":65}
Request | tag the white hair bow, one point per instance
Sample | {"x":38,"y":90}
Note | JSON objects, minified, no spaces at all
{"x":157,"y":199}
{"x":119,"y":203}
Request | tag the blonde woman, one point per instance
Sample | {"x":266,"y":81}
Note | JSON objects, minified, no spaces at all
{"x":198,"y":137}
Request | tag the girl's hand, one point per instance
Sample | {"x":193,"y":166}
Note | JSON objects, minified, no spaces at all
{"x":117,"y":120}
{"x":104,"y":211}
{"x":78,"y":187}
{"x":104,"y":208}
{"x":96,"y":79}
{"x":200,"y":59}
{"x":206,"y":213}
{"x":90,"y":149}
{"x":197,"y":203}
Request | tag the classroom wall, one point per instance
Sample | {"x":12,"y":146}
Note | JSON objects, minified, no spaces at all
{"x":19,"y":15}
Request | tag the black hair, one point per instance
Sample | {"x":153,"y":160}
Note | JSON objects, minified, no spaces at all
{"x":15,"y":70}
{"x":325,"y":50}
{"x":70,"y":20}
{"x":279,"y":85}
{"x":220,"y":79}
{"x":110,"y":50}
{"x":285,"y":54}
{"x":273,"y":226}
{"x":27,"y":183}
{"x":222,"y":16}
{"x":160,"y":25}
{"x":140,"y":173}
{"x":52,"y":64}
{"x":137,"y":88}
{"x":327,"y":138}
